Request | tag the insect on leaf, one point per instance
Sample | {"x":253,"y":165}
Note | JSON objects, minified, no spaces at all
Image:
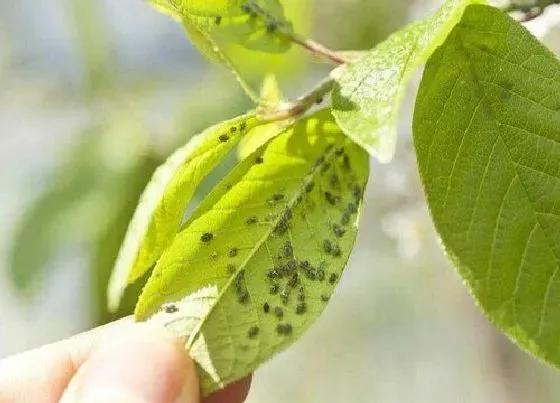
{"x":257,"y":262}
{"x":367,"y":98}
{"x":487,"y":136}
{"x":161,"y":207}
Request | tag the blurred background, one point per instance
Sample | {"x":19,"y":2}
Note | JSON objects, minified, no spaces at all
{"x":94,"y":94}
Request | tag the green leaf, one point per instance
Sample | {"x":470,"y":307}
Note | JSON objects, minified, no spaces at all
{"x":258,"y":260}
{"x":367,"y":98}
{"x":161,"y":207}
{"x":487,"y":137}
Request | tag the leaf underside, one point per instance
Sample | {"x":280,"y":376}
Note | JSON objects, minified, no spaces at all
{"x":259,"y":259}
{"x":161,"y":207}
{"x":367,"y":98}
{"x":487,"y":136}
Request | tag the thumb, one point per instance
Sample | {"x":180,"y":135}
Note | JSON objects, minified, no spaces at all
{"x":142,"y":365}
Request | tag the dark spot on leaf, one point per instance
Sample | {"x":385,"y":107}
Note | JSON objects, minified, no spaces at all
{"x":338,"y":231}
{"x":271,"y":27}
{"x":284,"y":328}
{"x":253,"y":331}
{"x":218,"y":20}
{"x":171,"y":309}
{"x":277,"y":197}
{"x":319,"y":100}
{"x":233,"y":129}
{"x":336,"y":251}
{"x":327,"y":246}
{"x":246,"y":8}
{"x":231,"y":268}
{"x":357,"y":191}
{"x":279,"y":312}
{"x":206,"y":237}
{"x":346,"y":161}
{"x":332,"y":278}
{"x":352,"y":208}
{"x":345,"y":218}
{"x":259,"y":160}
{"x":325,"y":167}
{"x":339,"y":151}
{"x":301,"y":308}
{"x":224,"y":138}
{"x":324,"y":298}
{"x":233,"y":252}
{"x":252,"y":220}
{"x":309,"y":187}
{"x":332,"y":199}
{"x":243,"y":126}
{"x":266,"y":307}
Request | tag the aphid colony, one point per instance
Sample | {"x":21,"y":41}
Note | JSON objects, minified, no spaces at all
{"x":289,"y":276}
{"x":255,"y":12}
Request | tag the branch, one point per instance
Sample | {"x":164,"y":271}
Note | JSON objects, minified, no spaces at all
{"x":301,"y":105}
{"x":528,"y":11}
{"x":318,"y":50}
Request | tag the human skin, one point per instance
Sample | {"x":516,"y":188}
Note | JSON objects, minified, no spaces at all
{"x":123,"y":362}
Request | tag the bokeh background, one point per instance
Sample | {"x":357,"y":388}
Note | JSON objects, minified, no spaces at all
{"x":95,"y":93}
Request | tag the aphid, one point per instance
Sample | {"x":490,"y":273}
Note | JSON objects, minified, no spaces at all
{"x":271,"y":27}
{"x":266,"y":307}
{"x":252,"y":220}
{"x":224,"y":138}
{"x":288,"y":214}
{"x":309,"y":187}
{"x":233,"y":129}
{"x":311,"y":274}
{"x":288,"y":249}
{"x":242,"y":296}
{"x":304,"y":264}
{"x":332,"y":199}
{"x":206,"y":237}
{"x":231,"y":268}
{"x":319,"y":100}
{"x":301,"y":295}
{"x":346,"y":161}
{"x":320,"y":160}
{"x":281,"y":227}
{"x":338,"y":231}
{"x":285,"y":295}
{"x":291,"y":265}
{"x":214,"y":255}
{"x":339,"y":151}
{"x":259,"y":160}
{"x":274,"y":288}
{"x":336,"y":252}
{"x":293,"y":280}
{"x":345,"y":218}
{"x":299,"y":199}
{"x":325,"y":167}
{"x":321,"y":274}
{"x":325,"y":298}
{"x":277,"y":197}
{"x":233,"y":252}
{"x":279,"y":312}
{"x":243,"y":126}
{"x":332,"y":278}
{"x":301,"y":308}
{"x":246,"y":8}
{"x":171,"y":309}
{"x":357,"y":191}
{"x":352,"y":208}
{"x":327,"y":246}
{"x":253,"y":331}
{"x":218,"y":20}
{"x":284,"y":328}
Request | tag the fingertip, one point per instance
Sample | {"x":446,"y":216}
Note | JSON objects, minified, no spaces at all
{"x":140,"y":364}
{"x":235,"y":392}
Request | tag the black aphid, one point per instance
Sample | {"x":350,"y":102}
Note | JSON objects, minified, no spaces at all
{"x":333,"y":180}
{"x":299,"y":199}
{"x":252,"y":220}
{"x":233,"y":129}
{"x":291,"y":265}
{"x":352,"y":208}
{"x":274,"y":288}
{"x":325,"y":167}
{"x":293,"y":280}
{"x":242,"y":296}
{"x":206,"y":237}
{"x":266,"y":307}
{"x":218,"y":20}
{"x":357,"y":191}
{"x":332,"y":278}
{"x":246,"y":8}
{"x":336,"y":252}
{"x":171,"y":309}
{"x":309,"y":187}
{"x":288,"y":250}
{"x":338,"y":231}
{"x":346,"y":161}
{"x":301,"y":295}
{"x":301,"y":308}
{"x":253,"y":331}
{"x":288,"y":214}
{"x":279,"y":312}
{"x":277,"y":197}
{"x":285,"y":295}
{"x":259,"y":160}
{"x":311,"y":274}
{"x":332,"y":199}
{"x":321,"y":274}
{"x":271,"y":27}
{"x":345,"y":218}
{"x":281,"y":227}
{"x":304,"y":264}
{"x":284,"y":328}
{"x":320,"y":160}
{"x":243,"y":126}
{"x":339,"y":151}
{"x":224,"y":138}
{"x":327,"y":246}
{"x":324,"y":298}
{"x":231,"y":268}
{"x":319,"y":100}
{"x":233,"y":252}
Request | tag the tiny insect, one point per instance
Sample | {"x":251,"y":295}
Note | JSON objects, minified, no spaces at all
{"x":327,"y":246}
{"x":309,"y":187}
{"x":259,"y":160}
{"x":231,"y":268}
{"x":338,"y":231}
{"x":266,"y":307}
{"x":253,"y":331}
{"x":325,"y":298}
{"x":284,"y":328}
{"x":301,"y":308}
{"x":279,"y":312}
{"x":218,"y":20}
{"x":352,"y":208}
{"x":224,"y":138}
{"x":252,"y":220}
{"x":171,"y":309}
{"x":206,"y":237}
{"x":233,"y":129}
{"x":332,"y":278}
{"x":233,"y":252}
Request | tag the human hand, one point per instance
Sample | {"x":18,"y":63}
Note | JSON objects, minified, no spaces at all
{"x":123,"y":362}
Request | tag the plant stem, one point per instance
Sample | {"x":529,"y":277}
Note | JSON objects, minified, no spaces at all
{"x":301,"y":105}
{"x":318,"y":50}
{"x":529,"y":12}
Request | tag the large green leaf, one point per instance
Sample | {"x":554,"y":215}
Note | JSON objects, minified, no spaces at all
{"x":165,"y":199}
{"x":258,"y":260}
{"x":367,"y":98}
{"x":487,"y":136}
